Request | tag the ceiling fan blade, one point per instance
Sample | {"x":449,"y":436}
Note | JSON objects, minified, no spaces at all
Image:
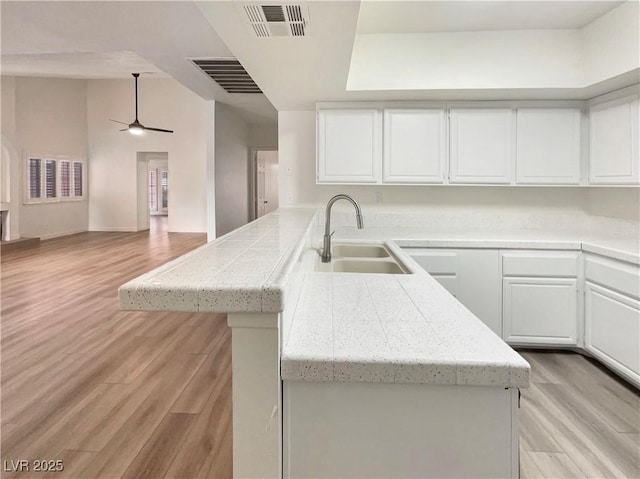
{"x":116,"y":121}
{"x":157,"y":129}
{"x":124,"y":129}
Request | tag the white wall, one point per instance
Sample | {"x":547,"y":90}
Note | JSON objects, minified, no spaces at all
{"x":49,"y":118}
{"x":231,"y":170}
{"x":297,"y":143}
{"x":9,"y":148}
{"x":611,"y":43}
{"x":576,"y":58}
{"x":623,"y":203}
{"x":466,"y":60}
{"x":163,"y":103}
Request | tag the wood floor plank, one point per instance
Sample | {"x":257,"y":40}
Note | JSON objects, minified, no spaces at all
{"x":582,"y":408}
{"x":74,"y":462}
{"x":534,"y":437}
{"x":116,"y":456}
{"x":82,"y":380}
{"x":206,"y":451}
{"x":556,"y":464}
{"x":618,"y":448}
{"x":528,"y":467}
{"x":197,"y":393}
{"x":153,"y":461}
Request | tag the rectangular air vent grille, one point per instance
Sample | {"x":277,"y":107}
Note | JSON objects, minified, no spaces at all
{"x":229,"y":74}
{"x":277,"y":20}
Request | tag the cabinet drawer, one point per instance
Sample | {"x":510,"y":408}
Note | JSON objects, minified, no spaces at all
{"x":540,"y":264}
{"x":436,"y":262}
{"x":616,"y":275}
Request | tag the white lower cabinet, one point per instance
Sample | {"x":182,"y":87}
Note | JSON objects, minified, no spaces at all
{"x":471,"y":275}
{"x":612,"y":314}
{"x":535,"y":298}
{"x":612,"y":330}
{"x":540,"y":300}
{"x":540,"y":310}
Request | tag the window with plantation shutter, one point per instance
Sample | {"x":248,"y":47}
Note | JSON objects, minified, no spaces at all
{"x":53,"y":179}
{"x":65,"y":179}
{"x":50,"y":183}
{"x":34,"y":178}
{"x":78,"y":187}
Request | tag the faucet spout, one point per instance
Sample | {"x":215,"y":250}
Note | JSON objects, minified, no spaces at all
{"x":326,"y":246}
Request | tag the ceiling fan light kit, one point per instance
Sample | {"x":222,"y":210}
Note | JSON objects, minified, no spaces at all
{"x":137,"y":128}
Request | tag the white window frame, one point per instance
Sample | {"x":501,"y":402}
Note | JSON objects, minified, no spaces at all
{"x":58,"y":198}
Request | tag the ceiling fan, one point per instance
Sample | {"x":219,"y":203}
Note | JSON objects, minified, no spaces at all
{"x":137,"y":128}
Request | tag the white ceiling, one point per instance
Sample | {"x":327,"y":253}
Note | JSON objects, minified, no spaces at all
{"x":94,"y":38}
{"x":110,"y":39}
{"x":104,"y":65}
{"x":467,"y":16}
{"x":295,"y":73}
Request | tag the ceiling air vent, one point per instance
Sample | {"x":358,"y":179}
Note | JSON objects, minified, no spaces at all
{"x":229,"y":74}
{"x":277,"y":20}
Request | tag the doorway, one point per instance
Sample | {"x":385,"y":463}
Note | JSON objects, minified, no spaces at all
{"x":265,"y":184}
{"x":153,"y":191}
{"x":158,"y":187}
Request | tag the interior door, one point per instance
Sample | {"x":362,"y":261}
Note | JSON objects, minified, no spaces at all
{"x":266,"y":182}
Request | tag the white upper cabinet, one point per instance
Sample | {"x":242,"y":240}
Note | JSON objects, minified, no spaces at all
{"x":482,"y":145}
{"x":548,"y":150}
{"x":349,"y":146}
{"x":414,"y":146}
{"x":614,"y":142}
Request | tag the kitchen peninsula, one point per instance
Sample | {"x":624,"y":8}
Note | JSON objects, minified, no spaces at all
{"x":351,"y":374}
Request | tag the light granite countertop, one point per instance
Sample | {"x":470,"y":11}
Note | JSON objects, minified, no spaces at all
{"x":243,"y":271}
{"x":355,"y":327}
{"x":392,"y":328}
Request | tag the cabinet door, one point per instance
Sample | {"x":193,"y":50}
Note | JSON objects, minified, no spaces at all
{"x":414,"y":146}
{"x":612,"y":330}
{"x":349,"y":146}
{"x":613,"y":155}
{"x":540,"y":310}
{"x":482,"y":145}
{"x":548,"y":150}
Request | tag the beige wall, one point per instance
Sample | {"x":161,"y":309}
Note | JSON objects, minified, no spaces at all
{"x":263,"y":136}
{"x":163,"y":103}
{"x":13,"y":182}
{"x":231,"y":170}
{"x":50,"y":118}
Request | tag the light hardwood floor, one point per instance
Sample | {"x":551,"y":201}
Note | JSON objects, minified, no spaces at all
{"x":111,"y":393}
{"x":148,"y":395}
{"x":577,"y":420}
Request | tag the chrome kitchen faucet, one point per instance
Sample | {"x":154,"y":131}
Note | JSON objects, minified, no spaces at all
{"x":326,"y":247}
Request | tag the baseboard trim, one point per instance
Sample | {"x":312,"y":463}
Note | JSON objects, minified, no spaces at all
{"x":64,"y":233}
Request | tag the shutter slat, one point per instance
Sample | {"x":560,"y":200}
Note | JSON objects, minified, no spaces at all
{"x":65,"y":179}
{"x":35,"y":178}
{"x":78,"y":187}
